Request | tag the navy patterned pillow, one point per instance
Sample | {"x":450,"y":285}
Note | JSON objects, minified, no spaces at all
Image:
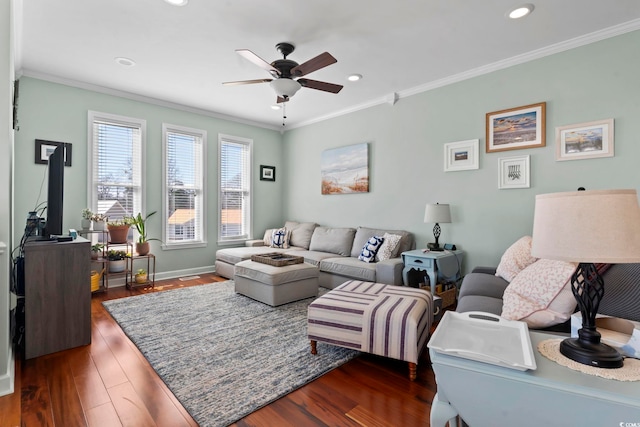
{"x":280,"y":238}
{"x":370,"y":249}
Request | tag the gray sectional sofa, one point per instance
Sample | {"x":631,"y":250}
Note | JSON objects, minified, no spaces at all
{"x":333,"y":250}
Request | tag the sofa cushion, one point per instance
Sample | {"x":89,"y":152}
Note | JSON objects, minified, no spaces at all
{"x":515,"y":259}
{"x":541,"y":294}
{"x":312,"y":257}
{"x":301,"y":233}
{"x":235,"y":255}
{"x":364,"y":233}
{"x":370,"y":249}
{"x":270,"y":275}
{"x":479,"y":303}
{"x":389,"y":248}
{"x":349,"y":267}
{"x":268,"y":236}
{"x":335,"y":240}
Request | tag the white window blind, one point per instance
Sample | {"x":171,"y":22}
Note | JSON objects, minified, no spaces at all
{"x":115,"y":164}
{"x":235,"y":188}
{"x":184,"y":195}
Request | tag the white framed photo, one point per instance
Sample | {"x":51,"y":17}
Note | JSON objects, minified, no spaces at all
{"x":461,"y":155}
{"x":585,"y":140}
{"x":514,"y":172}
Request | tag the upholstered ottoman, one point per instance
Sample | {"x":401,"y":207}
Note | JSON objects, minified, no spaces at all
{"x":386,"y":320}
{"x":276,"y":285}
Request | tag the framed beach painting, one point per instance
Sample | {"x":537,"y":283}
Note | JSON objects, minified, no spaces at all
{"x":516,"y":128}
{"x":345,"y":170}
{"x":585,"y":140}
{"x":461,"y":155}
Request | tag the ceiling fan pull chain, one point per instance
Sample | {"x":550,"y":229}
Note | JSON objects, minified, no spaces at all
{"x":284,"y":112}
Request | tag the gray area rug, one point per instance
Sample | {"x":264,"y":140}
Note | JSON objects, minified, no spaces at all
{"x":222,"y":354}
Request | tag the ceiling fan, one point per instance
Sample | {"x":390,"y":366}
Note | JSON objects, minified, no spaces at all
{"x":287,"y":73}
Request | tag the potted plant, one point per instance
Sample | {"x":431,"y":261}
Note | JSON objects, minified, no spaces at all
{"x":141,"y":276}
{"x":86,"y":219}
{"x":119,"y":229}
{"x":99,"y":222}
{"x":117,"y":260}
{"x":96,"y":250}
{"x":142,"y":245}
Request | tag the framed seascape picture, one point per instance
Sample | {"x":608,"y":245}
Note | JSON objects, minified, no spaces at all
{"x":267,"y":173}
{"x":585,"y":140}
{"x":345,"y":170}
{"x":514,"y":172}
{"x":461,"y":155}
{"x":516,"y":128}
{"x":45,"y":148}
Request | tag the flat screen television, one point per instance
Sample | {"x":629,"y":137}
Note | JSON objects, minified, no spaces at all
{"x":55,"y":193}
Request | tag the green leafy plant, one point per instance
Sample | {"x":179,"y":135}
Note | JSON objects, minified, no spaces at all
{"x":97,"y":247}
{"x":141,"y":272}
{"x":127,"y":220}
{"x":87,"y":214}
{"x":140,"y":224}
{"x":97,"y":217}
{"x":116,"y":255}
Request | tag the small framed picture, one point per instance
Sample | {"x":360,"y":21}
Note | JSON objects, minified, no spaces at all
{"x":516,"y":128}
{"x":45,"y":148}
{"x":267,"y":173}
{"x":585,"y":140}
{"x":514,"y":172}
{"x":461,"y":155}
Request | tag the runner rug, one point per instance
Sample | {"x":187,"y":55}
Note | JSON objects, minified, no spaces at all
{"x":224,"y":355}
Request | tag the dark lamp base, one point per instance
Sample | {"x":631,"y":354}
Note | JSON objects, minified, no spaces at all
{"x":598,"y":355}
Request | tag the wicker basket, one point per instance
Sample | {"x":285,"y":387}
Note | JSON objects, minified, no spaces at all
{"x":448,"y":297}
{"x":277,"y":259}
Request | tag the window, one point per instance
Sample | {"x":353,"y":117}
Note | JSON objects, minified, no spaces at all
{"x":115,"y":167}
{"x":183,"y":191}
{"x":234,"y":200}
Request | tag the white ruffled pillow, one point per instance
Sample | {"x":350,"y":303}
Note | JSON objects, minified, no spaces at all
{"x":515,"y":259}
{"x":541,"y":294}
{"x":389,"y":247}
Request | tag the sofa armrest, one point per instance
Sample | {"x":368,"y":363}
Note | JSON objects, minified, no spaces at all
{"x":253,"y":243}
{"x":485,"y":270}
{"x":389,"y":271}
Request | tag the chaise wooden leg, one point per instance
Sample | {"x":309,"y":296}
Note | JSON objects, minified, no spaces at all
{"x":413,"y":371}
{"x":314,"y":350}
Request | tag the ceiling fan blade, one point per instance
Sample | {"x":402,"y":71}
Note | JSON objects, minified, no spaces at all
{"x":313,"y":64}
{"x":247,"y":82}
{"x":315,"y":84}
{"x":247,"y":54}
{"x":281,"y":99}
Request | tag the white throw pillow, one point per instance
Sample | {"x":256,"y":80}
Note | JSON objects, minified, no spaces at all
{"x":268,"y":237}
{"x":280,"y":238}
{"x":515,"y":259}
{"x":370,"y":249}
{"x":389,"y":247}
{"x":541,"y":294}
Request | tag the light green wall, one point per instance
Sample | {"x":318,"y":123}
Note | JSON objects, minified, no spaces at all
{"x":593,"y":82}
{"x":58,"y":112}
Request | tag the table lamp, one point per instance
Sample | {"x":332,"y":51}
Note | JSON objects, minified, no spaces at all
{"x":586,"y":227}
{"x":439,"y":214}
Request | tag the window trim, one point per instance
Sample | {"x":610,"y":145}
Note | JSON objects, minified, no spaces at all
{"x":166,"y":127}
{"x":248,"y":142}
{"x":92,"y":117}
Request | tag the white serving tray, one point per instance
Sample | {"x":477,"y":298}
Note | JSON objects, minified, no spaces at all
{"x":485,"y":338}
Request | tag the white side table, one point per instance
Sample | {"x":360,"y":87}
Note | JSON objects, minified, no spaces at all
{"x":487,"y":395}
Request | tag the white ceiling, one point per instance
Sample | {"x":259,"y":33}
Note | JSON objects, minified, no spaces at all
{"x":183,"y":54}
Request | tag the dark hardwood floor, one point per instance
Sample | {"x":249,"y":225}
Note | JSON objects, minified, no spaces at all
{"x":110,"y":383}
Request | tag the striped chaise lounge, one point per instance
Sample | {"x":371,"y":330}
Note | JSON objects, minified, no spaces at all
{"x":386,"y":320}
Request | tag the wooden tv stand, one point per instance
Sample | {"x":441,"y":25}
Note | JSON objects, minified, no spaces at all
{"x":57,"y":296}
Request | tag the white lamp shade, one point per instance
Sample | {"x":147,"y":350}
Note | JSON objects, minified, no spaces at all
{"x":437,"y":213}
{"x":587,"y":226}
{"x":285,"y":87}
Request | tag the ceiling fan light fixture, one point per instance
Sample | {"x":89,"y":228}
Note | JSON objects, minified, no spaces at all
{"x":125,"y":61}
{"x":354,"y":77}
{"x":520,"y":11}
{"x":177,"y":2}
{"x":284,"y":87}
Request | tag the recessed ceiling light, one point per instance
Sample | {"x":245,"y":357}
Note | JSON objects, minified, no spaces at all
{"x":177,"y":2}
{"x":125,"y":61}
{"x":275,"y":107}
{"x":520,"y":11}
{"x":354,"y":77}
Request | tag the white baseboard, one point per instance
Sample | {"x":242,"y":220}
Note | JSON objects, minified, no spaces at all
{"x":6,"y":380}
{"x":120,"y":281}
